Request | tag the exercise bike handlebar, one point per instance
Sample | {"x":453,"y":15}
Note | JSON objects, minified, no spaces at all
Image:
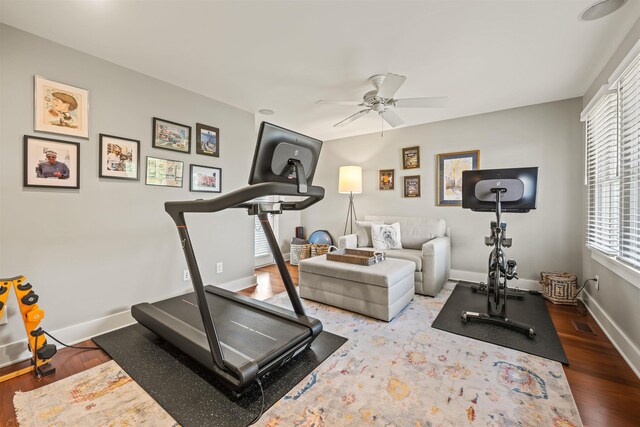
{"x":241,"y":199}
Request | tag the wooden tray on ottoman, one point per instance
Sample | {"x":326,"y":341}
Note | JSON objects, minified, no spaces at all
{"x":356,"y":256}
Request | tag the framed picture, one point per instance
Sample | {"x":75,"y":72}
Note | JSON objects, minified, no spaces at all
{"x":171,"y":136}
{"x":450,"y":168}
{"x":119,"y":157}
{"x":412,"y":186}
{"x":386,"y":179}
{"x":163,"y":172}
{"x":411,"y":158}
{"x":205,"y":179}
{"x":60,"y":108}
{"x":207,"y":140}
{"x":51,"y":163}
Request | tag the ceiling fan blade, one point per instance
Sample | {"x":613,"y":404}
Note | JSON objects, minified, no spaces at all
{"x":429,"y":102}
{"x":390,"y":85}
{"x":392,"y":118}
{"x":325,"y":101}
{"x":352,"y":117}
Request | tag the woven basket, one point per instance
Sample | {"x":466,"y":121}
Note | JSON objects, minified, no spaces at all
{"x":559,"y":288}
{"x":299,"y":252}
{"x":319,"y":249}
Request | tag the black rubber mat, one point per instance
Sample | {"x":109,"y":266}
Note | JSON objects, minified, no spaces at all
{"x":189,"y":392}
{"x":530,"y":310}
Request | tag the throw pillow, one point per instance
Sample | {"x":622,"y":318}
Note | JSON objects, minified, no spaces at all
{"x":363,"y":231}
{"x":386,"y":236}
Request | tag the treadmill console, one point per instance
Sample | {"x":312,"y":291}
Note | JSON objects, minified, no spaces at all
{"x":283,"y":155}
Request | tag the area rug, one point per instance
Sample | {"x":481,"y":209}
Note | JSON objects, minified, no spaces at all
{"x":407,"y":373}
{"x":531,"y":310}
{"x":387,"y":374}
{"x":101,"y":396}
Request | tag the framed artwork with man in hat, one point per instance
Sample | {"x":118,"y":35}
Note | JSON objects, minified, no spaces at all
{"x":51,"y":163}
{"x":60,"y":108}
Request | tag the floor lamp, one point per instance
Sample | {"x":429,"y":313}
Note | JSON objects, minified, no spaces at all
{"x":350,"y":182}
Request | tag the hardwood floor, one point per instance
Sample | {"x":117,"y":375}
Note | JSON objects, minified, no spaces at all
{"x":605,"y":388}
{"x":67,"y":361}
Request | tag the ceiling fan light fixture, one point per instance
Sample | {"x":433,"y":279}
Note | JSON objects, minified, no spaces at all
{"x":601,"y":9}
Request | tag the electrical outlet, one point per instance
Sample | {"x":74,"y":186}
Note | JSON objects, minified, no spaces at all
{"x":597,"y":279}
{"x":219,"y":268}
{"x":186,"y":276}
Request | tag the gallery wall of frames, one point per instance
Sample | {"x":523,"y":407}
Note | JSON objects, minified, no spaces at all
{"x":61,"y":110}
{"x":448,"y":175}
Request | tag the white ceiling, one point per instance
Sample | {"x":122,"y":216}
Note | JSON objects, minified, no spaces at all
{"x":285,"y":55}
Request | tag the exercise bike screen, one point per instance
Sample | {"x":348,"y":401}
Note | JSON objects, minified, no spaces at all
{"x":520,"y":185}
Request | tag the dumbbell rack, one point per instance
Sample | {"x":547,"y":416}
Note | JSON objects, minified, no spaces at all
{"x":32,"y":315}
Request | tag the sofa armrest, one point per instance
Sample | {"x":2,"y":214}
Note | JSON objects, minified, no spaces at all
{"x":436,"y":264}
{"x":350,"y":241}
{"x":436,"y":246}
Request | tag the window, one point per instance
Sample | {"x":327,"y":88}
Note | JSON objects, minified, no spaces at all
{"x":629,"y":141}
{"x":261,"y":250}
{"x":612,"y":170}
{"x":603,"y":183}
{"x":261,"y":246}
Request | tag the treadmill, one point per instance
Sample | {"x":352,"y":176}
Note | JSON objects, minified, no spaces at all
{"x":238,"y":338}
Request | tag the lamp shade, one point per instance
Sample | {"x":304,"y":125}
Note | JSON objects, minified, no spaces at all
{"x":350,"y":179}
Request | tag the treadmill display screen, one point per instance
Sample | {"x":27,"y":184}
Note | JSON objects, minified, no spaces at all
{"x":275,"y":148}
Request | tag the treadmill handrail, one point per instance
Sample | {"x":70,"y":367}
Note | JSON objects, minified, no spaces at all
{"x":241,"y":197}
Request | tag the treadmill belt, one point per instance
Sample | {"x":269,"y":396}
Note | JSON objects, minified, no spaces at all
{"x":246,"y":332}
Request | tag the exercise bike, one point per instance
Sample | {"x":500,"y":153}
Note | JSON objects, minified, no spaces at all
{"x":493,"y":188}
{"x":496,"y":259}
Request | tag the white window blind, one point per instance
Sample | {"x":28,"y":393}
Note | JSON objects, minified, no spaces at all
{"x":629,"y":137}
{"x":261,"y":245}
{"x":603,"y":182}
{"x":613,"y":170}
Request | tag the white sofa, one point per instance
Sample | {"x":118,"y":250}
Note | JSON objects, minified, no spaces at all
{"x":425,"y":241}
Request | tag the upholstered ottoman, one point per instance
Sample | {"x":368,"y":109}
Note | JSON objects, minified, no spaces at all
{"x":380,"y":290}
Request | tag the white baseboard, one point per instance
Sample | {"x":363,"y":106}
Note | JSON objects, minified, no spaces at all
{"x":287,"y":257}
{"x":239,"y":284}
{"x":627,"y":349}
{"x":17,"y":351}
{"x":471,"y":276}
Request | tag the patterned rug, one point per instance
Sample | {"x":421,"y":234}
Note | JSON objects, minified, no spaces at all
{"x":387,"y":374}
{"x":406,"y":373}
{"x":101,"y":396}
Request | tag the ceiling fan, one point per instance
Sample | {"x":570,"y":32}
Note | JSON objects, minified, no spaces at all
{"x":381,"y":100}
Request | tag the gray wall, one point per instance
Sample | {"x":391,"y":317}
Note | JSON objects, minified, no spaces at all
{"x":547,"y":135}
{"x":627,"y":44}
{"x":616,"y":304}
{"x":93,"y":252}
